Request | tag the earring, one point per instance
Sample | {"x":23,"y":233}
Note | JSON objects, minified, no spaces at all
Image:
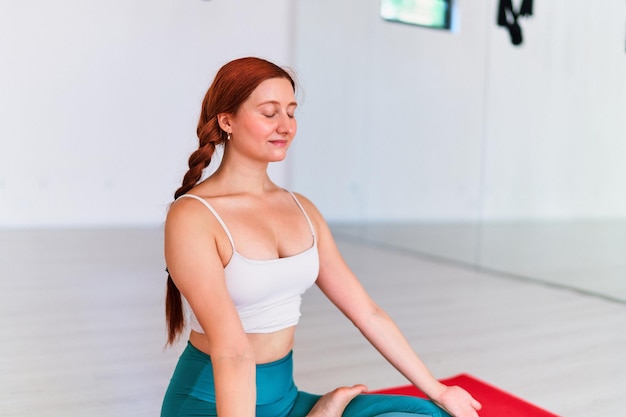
{"x":228,"y":136}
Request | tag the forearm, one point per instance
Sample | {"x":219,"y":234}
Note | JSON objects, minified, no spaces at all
{"x":235,"y":386}
{"x":382,"y":332}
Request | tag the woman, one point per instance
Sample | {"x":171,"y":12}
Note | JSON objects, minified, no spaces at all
{"x":242,"y":250}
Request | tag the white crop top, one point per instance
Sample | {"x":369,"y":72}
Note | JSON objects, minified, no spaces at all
{"x":267,"y":293}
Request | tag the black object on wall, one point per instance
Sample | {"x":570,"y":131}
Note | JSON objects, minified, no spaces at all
{"x":508,"y":16}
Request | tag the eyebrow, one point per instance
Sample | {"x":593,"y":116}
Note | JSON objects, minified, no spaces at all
{"x":293,"y":103}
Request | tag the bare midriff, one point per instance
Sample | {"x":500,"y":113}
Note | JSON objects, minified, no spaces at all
{"x":267,"y":347}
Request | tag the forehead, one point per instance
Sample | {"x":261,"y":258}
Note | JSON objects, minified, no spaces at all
{"x":273,"y":90}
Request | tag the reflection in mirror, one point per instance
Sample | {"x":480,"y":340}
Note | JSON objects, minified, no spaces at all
{"x":429,"y":13}
{"x":585,"y":256}
{"x":588,"y":256}
{"x":502,"y":158}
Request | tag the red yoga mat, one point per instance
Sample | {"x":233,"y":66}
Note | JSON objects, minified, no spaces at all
{"x":496,"y":403}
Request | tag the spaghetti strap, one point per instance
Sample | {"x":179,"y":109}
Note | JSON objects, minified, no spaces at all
{"x":217,"y":216}
{"x":305,"y":215}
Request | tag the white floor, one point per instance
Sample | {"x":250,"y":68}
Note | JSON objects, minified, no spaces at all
{"x":82,"y":332}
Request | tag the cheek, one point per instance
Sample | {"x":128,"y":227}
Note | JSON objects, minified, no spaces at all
{"x":259,"y":127}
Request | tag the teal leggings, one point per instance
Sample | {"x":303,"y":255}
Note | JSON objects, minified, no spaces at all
{"x":191,"y":393}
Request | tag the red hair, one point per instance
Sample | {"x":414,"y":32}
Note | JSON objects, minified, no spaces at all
{"x":233,"y":84}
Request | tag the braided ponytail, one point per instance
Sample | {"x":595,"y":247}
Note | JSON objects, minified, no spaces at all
{"x":208,"y":135}
{"x":232,"y":85}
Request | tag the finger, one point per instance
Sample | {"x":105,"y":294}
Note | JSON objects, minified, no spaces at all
{"x":359,"y":388}
{"x":477,"y":405}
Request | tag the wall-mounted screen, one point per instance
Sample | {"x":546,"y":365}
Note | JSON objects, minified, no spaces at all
{"x":429,"y":13}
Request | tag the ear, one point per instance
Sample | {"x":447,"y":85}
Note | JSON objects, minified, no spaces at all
{"x":225,"y":122}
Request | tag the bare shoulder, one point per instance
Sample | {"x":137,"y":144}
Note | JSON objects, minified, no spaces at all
{"x":309,"y":207}
{"x":185,"y":210}
{"x":319,"y":223}
{"x":191,"y":218}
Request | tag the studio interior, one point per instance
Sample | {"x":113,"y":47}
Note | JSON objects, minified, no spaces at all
{"x":468,"y":157}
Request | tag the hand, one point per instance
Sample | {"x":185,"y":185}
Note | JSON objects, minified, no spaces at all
{"x":458,"y":402}
{"x":333,"y":403}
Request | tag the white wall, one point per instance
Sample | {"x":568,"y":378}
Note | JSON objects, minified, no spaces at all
{"x":99,"y":100}
{"x":392,"y":123}
{"x":404,"y":123}
{"x":556,"y":120}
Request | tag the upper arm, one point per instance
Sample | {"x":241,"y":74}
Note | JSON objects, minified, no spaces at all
{"x":195,"y":265}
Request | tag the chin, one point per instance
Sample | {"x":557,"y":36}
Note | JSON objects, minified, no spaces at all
{"x":278,"y":156}
{"x":278,"y":159}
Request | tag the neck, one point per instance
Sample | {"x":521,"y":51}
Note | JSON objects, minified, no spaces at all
{"x":240,"y":174}
{"x":244,"y":178}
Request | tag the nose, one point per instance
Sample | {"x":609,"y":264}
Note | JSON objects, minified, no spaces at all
{"x":286,"y":125}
